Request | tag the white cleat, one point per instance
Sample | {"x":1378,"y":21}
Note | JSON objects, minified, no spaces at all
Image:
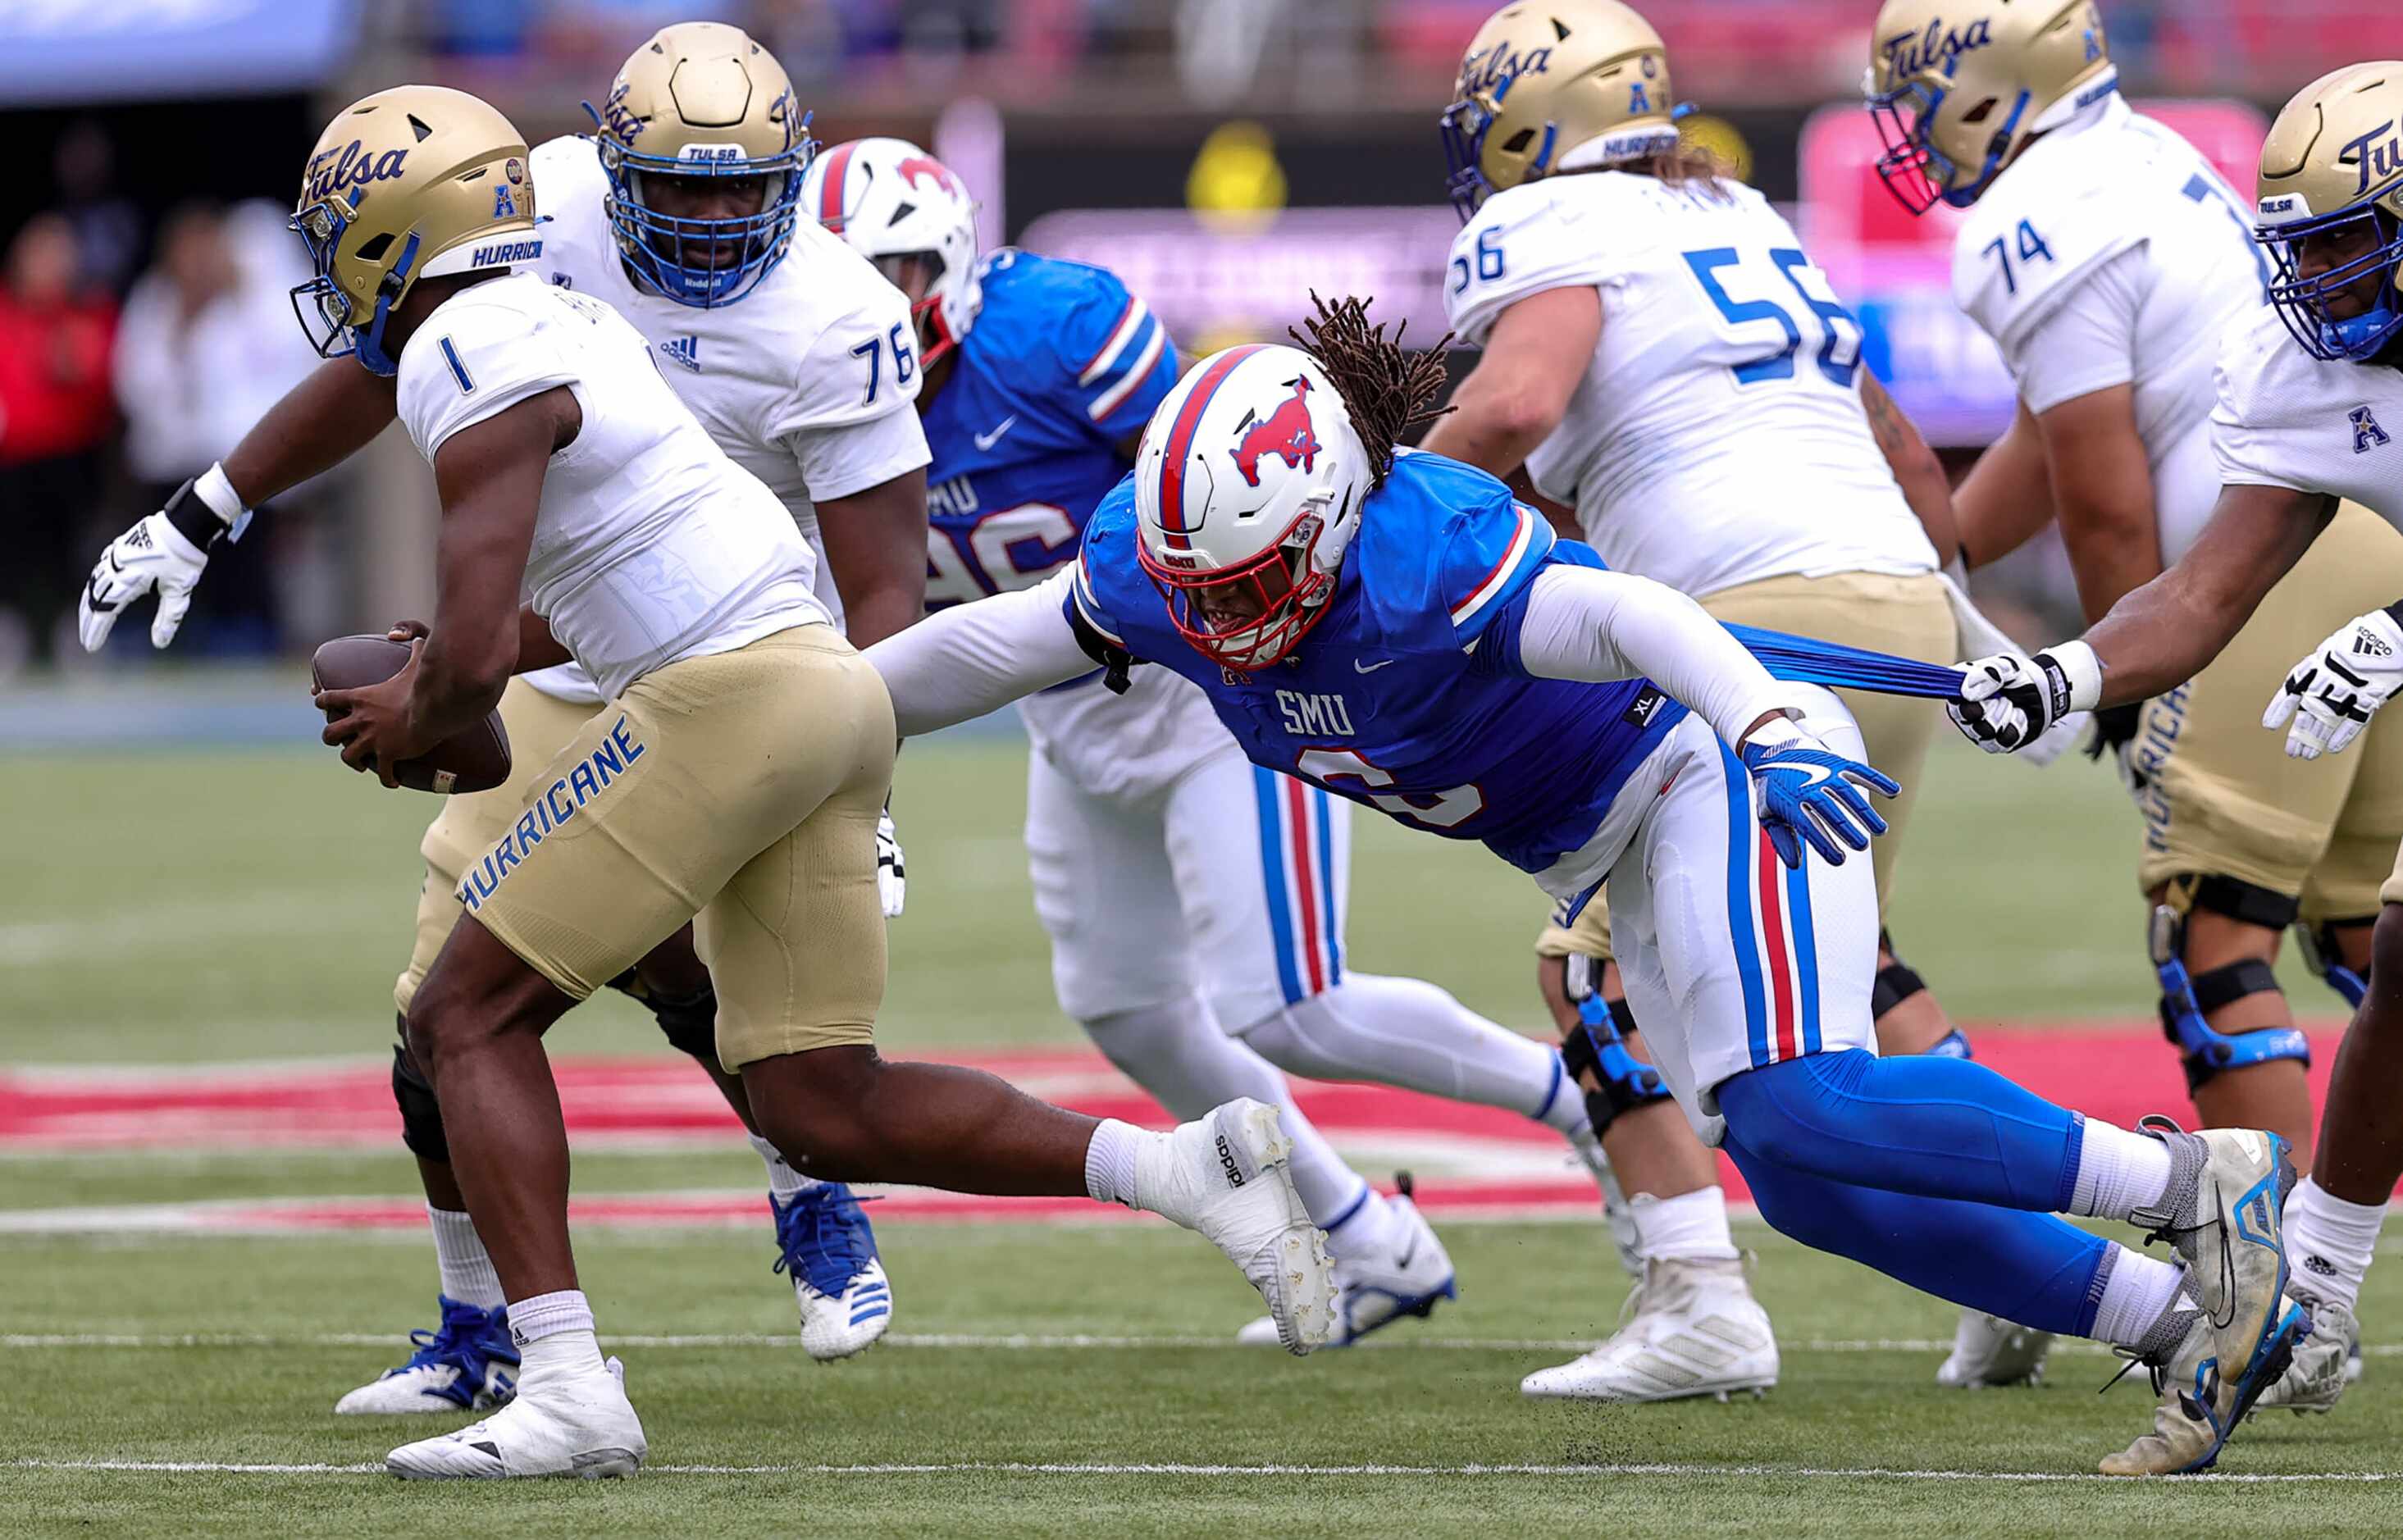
{"x":1399,"y":1282}
{"x":1989,"y":1350}
{"x":1225,"y":1176}
{"x":578,"y":1424}
{"x":1690,"y":1329}
{"x":466,"y":1364}
{"x":2325,"y":1362}
{"x":825,"y":1242}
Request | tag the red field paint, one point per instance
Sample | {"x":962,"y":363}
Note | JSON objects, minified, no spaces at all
{"x":1468,"y":1160}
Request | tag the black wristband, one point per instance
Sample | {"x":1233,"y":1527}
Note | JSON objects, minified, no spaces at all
{"x":2056,"y":687}
{"x":194,"y":520}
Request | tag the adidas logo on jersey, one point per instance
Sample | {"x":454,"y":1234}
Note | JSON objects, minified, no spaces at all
{"x":684,"y":351}
{"x":2366,"y":434}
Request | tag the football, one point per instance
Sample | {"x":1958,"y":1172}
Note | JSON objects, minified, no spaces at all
{"x":476,"y":759}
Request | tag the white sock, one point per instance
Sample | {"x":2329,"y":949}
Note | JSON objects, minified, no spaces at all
{"x":2330,"y":1241}
{"x":2137,"y":1291}
{"x":1368,"y":1229}
{"x":1408,"y":1033}
{"x":1691,"y":1227}
{"x":459,"y":1253}
{"x":541,"y":1315}
{"x":785,"y":1184}
{"x":1110,"y":1162}
{"x":2118,"y":1171}
{"x":1180,"y":1054}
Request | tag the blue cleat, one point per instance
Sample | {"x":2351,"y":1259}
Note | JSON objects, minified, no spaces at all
{"x":828,"y":1247}
{"x":468,"y":1364}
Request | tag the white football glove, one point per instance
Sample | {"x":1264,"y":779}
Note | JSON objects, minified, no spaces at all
{"x":166,"y":553}
{"x":2007,"y":701}
{"x":2330,"y":696}
{"x":892,"y":882}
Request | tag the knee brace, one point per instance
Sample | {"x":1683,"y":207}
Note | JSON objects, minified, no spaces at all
{"x":689,"y":1021}
{"x":1600,"y":1045}
{"x":2325,"y":959}
{"x":1896,"y":982}
{"x":2187,"y":999}
{"x":421,"y":1114}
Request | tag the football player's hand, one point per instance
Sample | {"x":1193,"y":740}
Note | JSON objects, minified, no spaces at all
{"x":162,"y":554}
{"x":2329,"y":697}
{"x":373,"y":726}
{"x":2008,"y":701}
{"x":891,"y":881}
{"x":151,"y":556}
{"x":1806,"y":790}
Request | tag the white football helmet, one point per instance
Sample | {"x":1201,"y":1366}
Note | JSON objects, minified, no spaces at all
{"x":890,"y":199}
{"x":1247,"y":489}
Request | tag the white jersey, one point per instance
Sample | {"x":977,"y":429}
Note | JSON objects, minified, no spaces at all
{"x":809,"y":381}
{"x":649,"y":544}
{"x":1718,"y":436}
{"x":2285,"y":419}
{"x":2111,"y":253}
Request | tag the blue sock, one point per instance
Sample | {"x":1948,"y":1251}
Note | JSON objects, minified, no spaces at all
{"x":2033,"y":1269}
{"x":1935,"y":1128}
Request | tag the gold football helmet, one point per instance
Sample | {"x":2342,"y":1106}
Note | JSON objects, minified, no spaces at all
{"x":1958,"y":86}
{"x":2331,"y":211}
{"x":1555,"y":85}
{"x":410,"y":183}
{"x":701,"y":99}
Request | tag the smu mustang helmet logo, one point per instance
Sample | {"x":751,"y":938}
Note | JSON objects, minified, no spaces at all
{"x":1908,"y":53}
{"x":352,"y":166}
{"x":1285,"y":433}
{"x":930,"y":168}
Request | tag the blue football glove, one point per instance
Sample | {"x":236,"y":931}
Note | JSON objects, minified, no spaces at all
{"x":1806,"y":790}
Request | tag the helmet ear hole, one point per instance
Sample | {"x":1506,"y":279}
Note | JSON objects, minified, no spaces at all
{"x":374,"y":246}
{"x":1519,"y":140}
{"x":1982,"y":111}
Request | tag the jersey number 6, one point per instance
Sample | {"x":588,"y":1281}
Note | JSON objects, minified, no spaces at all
{"x":1441,"y":809}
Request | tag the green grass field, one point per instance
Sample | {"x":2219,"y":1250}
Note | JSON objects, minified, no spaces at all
{"x":268,"y":920}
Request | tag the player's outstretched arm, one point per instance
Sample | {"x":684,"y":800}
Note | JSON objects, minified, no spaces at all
{"x":2156,"y":638}
{"x":972,"y":659}
{"x":1582,"y":623}
{"x":1534,"y":359}
{"x":319,"y":423}
{"x":1585,"y":623}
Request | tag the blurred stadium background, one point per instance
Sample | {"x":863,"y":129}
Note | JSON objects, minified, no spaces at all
{"x":197,"y":889}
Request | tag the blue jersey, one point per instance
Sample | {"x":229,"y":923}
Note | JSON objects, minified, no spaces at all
{"x":1409,"y":694}
{"x":1060,"y":365}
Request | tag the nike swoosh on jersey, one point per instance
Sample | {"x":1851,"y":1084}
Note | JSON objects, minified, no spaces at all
{"x":987,"y":441}
{"x":1359,"y":667}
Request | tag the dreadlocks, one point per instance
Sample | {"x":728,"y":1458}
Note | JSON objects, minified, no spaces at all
{"x":1386,"y":391}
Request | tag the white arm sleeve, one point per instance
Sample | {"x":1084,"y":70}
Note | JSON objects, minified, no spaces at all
{"x":1582,"y":623}
{"x":965,"y":661}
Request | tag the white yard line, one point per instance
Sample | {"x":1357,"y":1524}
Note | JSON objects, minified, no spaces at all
{"x":1000,"y":1341}
{"x":968,"y":1467}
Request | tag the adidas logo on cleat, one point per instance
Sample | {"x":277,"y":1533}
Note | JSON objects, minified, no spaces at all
{"x":1226,"y":1163}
